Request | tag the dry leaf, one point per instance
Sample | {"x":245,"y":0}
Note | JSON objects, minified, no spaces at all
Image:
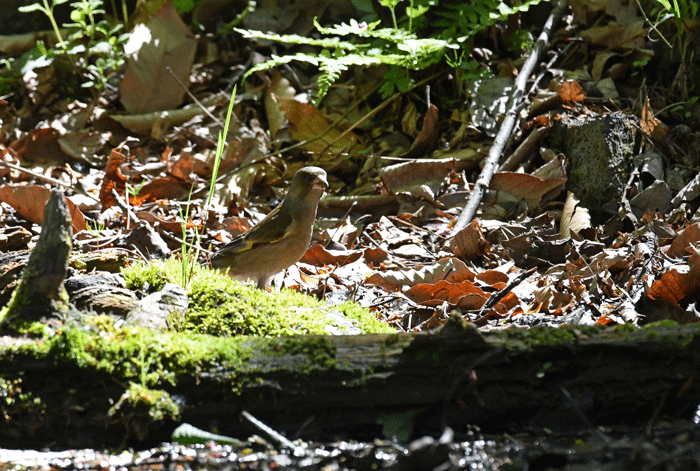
{"x":419,"y":178}
{"x":157,"y":50}
{"x":571,"y":91}
{"x":524,"y":186}
{"x":682,"y":245}
{"x":319,"y":256}
{"x":573,"y":217}
{"x":464,"y":295}
{"x":450,"y":269}
{"x":161,"y":188}
{"x":307,"y":123}
{"x":470,"y":243}
{"x":279,"y":88}
{"x":676,"y":285}
{"x":30,"y":201}
{"x":39,"y":145}
{"x":427,"y":139}
{"x":112,"y":180}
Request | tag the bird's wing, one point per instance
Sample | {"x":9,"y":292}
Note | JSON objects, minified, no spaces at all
{"x":269,"y":230}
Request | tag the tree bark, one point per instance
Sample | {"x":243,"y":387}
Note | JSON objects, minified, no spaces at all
{"x":568,"y":379}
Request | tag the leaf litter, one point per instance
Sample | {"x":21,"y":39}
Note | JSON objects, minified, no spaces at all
{"x":400,"y":171}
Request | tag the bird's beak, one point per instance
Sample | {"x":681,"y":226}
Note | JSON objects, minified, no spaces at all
{"x":320,"y":183}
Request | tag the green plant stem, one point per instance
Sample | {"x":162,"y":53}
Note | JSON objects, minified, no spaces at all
{"x":188,"y":260}
{"x":57,"y":31}
{"x":653,"y":26}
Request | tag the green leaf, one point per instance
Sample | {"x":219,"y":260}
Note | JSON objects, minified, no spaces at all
{"x":405,"y":84}
{"x":417,"y":11}
{"x":331,"y":43}
{"x":190,"y":435}
{"x":389,"y":3}
{"x":387,"y":89}
{"x":32,"y":7}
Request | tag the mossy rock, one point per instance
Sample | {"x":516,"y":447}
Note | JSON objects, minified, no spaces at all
{"x":224,"y":307}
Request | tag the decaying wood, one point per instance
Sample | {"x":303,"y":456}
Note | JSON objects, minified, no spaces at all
{"x":356,"y":386}
{"x":40,"y":292}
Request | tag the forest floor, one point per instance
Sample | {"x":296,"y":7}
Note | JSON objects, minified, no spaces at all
{"x":403,"y":147}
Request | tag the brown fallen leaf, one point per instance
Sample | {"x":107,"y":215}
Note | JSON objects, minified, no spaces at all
{"x":470,"y":243}
{"x":571,"y":91}
{"x":279,"y":88}
{"x":39,"y":145}
{"x":452,"y":270}
{"x":526,"y":187}
{"x":682,"y":245}
{"x":167,"y":187}
{"x":573,"y":217}
{"x":113,"y":179}
{"x":30,"y":201}
{"x":307,"y":123}
{"x":427,"y":139}
{"x":319,"y":256}
{"x":464,"y":295}
{"x":680,"y":284}
{"x":159,"y":49}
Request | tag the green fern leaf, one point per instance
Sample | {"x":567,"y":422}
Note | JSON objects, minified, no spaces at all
{"x":331,"y":43}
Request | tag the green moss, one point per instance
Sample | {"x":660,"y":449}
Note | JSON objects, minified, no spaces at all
{"x":365,"y":318}
{"x":541,"y":335}
{"x":668,"y":323}
{"x":317,"y":350}
{"x":670,"y":332}
{"x":154,"y":274}
{"x":155,"y":404}
{"x":622,"y":330}
{"x":133,"y":354}
{"x":24,"y":327}
{"x":152,"y":362}
{"x":223,"y":307}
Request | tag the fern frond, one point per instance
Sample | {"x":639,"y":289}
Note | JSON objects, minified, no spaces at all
{"x":390,"y":46}
{"x":331,"y":43}
{"x":387,"y":34}
{"x":274,"y":61}
{"x":330,"y":72}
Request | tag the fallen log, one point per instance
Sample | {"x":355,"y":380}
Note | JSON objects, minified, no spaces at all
{"x":323,"y":387}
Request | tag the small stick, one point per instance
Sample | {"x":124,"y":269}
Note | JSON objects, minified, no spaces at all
{"x":48,"y":179}
{"x":504,"y":133}
{"x":273,"y":434}
{"x":498,"y":295}
{"x":523,"y":149}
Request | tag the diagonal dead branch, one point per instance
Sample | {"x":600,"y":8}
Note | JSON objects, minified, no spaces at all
{"x":506,"y":129}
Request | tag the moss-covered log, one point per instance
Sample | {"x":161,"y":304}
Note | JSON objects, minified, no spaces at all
{"x":106,"y":387}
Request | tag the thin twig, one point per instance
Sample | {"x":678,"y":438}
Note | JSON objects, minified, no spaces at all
{"x":523,"y":149}
{"x":498,"y":295}
{"x":126,"y":207}
{"x":273,"y":434}
{"x":508,"y":124}
{"x":194,"y":98}
{"x":48,"y":179}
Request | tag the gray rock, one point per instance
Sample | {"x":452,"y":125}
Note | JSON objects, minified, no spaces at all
{"x":154,"y":311}
{"x":600,"y":151}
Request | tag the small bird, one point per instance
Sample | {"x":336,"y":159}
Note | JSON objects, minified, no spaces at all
{"x":281,"y":238}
